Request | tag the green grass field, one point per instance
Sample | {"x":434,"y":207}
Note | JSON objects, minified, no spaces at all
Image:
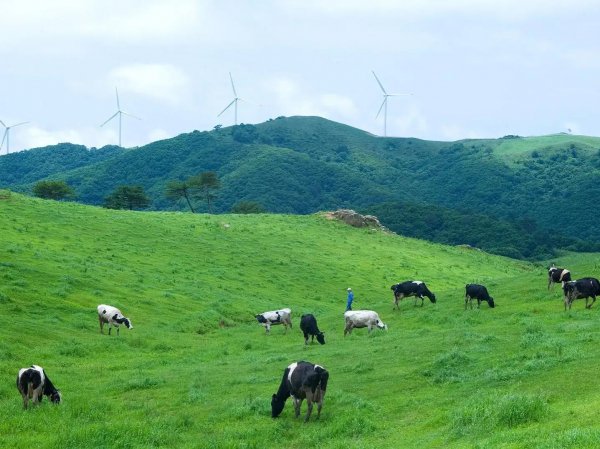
{"x":198,"y":371}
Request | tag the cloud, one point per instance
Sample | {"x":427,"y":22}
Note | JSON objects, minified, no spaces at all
{"x":36,"y":137}
{"x":162,"y":82}
{"x":293,"y":100}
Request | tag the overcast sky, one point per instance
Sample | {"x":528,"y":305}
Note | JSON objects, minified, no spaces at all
{"x":475,"y":68}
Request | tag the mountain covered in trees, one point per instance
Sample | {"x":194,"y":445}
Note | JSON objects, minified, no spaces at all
{"x":522,"y":197}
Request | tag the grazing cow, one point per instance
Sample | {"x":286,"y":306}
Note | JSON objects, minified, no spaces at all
{"x":478,"y":292}
{"x":112,"y":316}
{"x":33,"y":383}
{"x":418,"y":289}
{"x":301,"y":380}
{"x":362,"y":318}
{"x":556,"y":275}
{"x":581,"y":288}
{"x":282,"y":316}
{"x":308,"y":325}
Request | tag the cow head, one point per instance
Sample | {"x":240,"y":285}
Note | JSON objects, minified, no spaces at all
{"x":260,"y":318}
{"x":55,"y":397}
{"x":321,"y":338}
{"x":491,"y":302}
{"x":276,"y":406}
{"x":432,"y":298}
{"x":127,"y":323}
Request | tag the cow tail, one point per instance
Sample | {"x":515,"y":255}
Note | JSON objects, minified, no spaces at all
{"x":323,"y":378}
{"x":29,"y":389}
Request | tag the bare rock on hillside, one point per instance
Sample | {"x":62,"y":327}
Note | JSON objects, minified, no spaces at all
{"x":355,"y":219}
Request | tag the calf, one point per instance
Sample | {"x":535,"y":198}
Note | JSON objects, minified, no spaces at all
{"x":282,"y":316}
{"x":362,"y":318}
{"x":581,"y":288}
{"x":301,"y":380}
{"x":112,"y":316}
{"x":556,"y":275}
{"x":308,"y":325}
{"x":33,"y":383}
{"x":478,"y":292}
{"x":418,"y":289}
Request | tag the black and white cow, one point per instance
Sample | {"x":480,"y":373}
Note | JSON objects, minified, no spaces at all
{"x":33,"y":383}
{"x":301,"y":380}
{"x":478,"y":292}
{"x":282,"y":316}
{"x":362,"y":318}
{"x":418,"y":289}
{"x":113,"y":317}
{"x":581,"y":288}
{"x":556,"y":275}
{"x":308,"y":325}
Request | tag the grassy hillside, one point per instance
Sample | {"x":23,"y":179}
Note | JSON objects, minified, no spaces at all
{"x":198,"y":371}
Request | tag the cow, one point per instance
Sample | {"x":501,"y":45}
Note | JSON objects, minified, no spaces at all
{"x":33,"y":383}
{"x":301,"y":380}
{"x":478,"y":292}
{"x":581,"y":288}
{"x":556,"y":275}
{"x":113,"y":317}
{"x":362,"y":318}
{"x":418,"y":289}
{"x":308,"y":325}
{"x":282,"y":316}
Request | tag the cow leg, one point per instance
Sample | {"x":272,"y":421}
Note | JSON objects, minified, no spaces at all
{"x":309,"y":402}
{"x":118,"y":327}
{"x":101,"y":324}
{"x":297,"y":405}
{"x":549,"y":283}
{"x":478,"y":303}
{"x":305,"y":338}
{"x":348,"y":329}
{"x":109,"y":328}
{"x":267,"y":327}
{"x":586,"y":302}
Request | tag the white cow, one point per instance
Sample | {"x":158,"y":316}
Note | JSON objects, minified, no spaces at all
{"x":112,"y":316}
{"x":282,"y":316}
{"x":362,"y":318}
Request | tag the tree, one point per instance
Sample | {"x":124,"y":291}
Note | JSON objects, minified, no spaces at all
{"x":127,"y":197}
{"x":53,"y":190}
{"x":207,"y":184}
{"x":180,"y":189}
{"x":248,"y":207}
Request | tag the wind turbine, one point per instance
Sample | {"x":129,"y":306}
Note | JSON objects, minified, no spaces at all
{"x":7,"y":135}
{"x":384,"y":104}
{"x":234,"y":101}
{"x":120,"y":114}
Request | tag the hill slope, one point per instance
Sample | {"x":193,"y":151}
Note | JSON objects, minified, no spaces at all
{"x":534,"y":186}
{"x":197,"y":370}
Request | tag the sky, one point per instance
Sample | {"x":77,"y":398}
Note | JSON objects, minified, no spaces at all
{"x":471,"y":68}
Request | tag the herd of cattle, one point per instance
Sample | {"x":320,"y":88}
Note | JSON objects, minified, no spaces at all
{"x":305,"y":380}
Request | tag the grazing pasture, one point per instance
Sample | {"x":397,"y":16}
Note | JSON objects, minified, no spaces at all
{"x":196,"y":371}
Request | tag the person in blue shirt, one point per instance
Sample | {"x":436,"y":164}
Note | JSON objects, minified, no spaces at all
{"x":350,"y":299}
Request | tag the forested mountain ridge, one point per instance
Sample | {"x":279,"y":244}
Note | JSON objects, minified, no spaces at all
{"x":519,"y":189}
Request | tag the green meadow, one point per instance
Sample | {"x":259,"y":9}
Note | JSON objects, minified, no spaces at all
{"x":198,"y":371}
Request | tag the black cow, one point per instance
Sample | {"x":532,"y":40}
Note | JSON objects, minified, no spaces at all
{"x":418,"y":289}
{"x":581,"y":288}
{"x":33,"y":383}
{"x":301,"y":380}
{"x":556,"y":275}
{"x":478,"y":292}
{"x":308,"y":325}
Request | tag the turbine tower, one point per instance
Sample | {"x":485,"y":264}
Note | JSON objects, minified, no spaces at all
{"x":7,"y":135}
{"x":234,"y":102}
{"x":120,"y":114}
{"x":384,"y":104}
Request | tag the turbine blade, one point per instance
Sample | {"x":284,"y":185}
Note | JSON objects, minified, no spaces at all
{"x":18,"y":124}
{"x":379,"y":82}
{"x":2,"y":123}
{"x":381,"y":107}
{"x":232,"y":86}
{"x":4,"y":138}
{"x":118,"y":105}
{"x":398,"y":95}
{"x":110,"y":118}
{"x":130,"y":115}
{"x":228,"y":106}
